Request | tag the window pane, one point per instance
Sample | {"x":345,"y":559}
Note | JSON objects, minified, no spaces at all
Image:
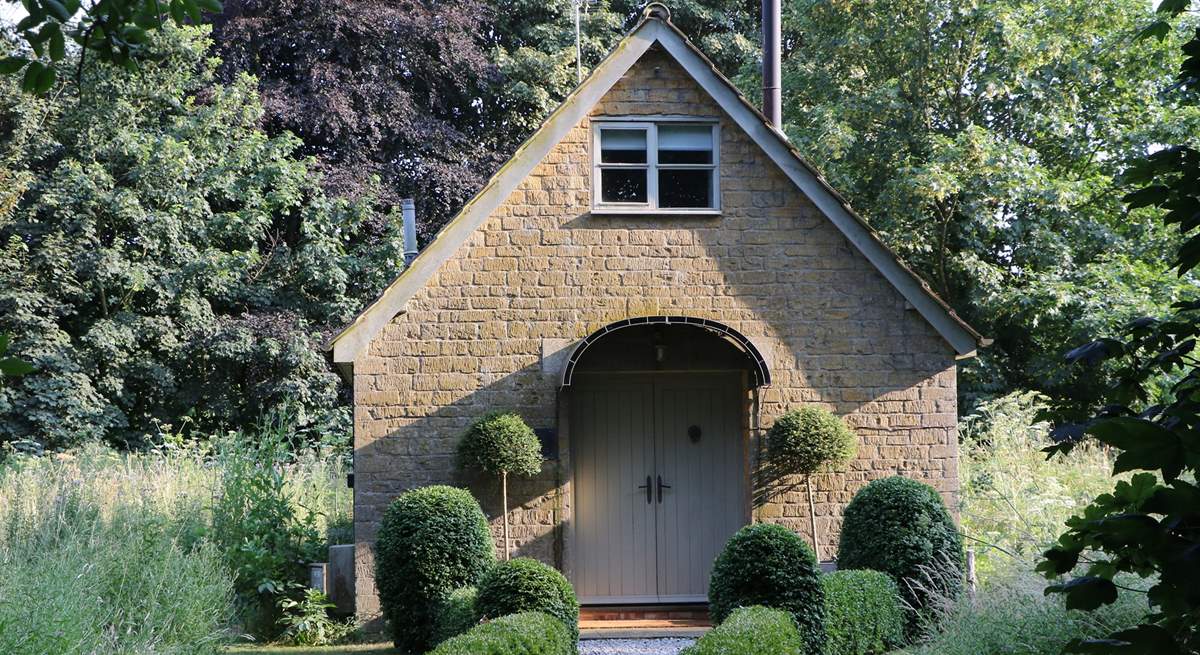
{"x":623,"y":185}
{"x":685,"y":144}
{"x":623,"y":146}
{"x":685,"y":188}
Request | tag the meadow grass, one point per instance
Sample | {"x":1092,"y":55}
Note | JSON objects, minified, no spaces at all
{"x":108,"y":552}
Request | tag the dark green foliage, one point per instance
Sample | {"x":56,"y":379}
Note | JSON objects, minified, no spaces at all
{"x":863,"y":615}
{"x":752,"y":630}
{"x":901,"y":527}
{"x":1148,"y":525}
{"x":162,"y":260}
{"x":456,"y":614}
{"x":806,"y":440}
{"x":431,"y":541}
{"x":771,"y":566}
{"x":526,"y":585}
{"x":498,"y":443}
{"x":528,"y":633}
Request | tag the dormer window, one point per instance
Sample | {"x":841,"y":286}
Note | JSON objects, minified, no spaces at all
{"x":663,"y":166}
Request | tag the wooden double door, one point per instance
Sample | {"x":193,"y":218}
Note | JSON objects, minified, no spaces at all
{"x":659,"y":483}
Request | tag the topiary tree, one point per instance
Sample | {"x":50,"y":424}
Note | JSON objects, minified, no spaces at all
{"x":527,"y":585}
{"x":771,"y":566}
{"x":750,"y":631}
{"x":807,"y":441}
{"x":863,"y":615}
{"x":902,"y":528}
{"x":431,"y":541}
{"x":499,"y":444}
{"x":528,"y":633}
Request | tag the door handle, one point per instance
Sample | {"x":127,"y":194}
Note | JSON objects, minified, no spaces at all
{"x":661,"y":486}
{"x":649,"y":490}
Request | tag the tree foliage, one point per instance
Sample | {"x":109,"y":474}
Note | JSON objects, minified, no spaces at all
{"x":986,"y":140}
{"x":162,"y":257}
{"x":1148,"y":525}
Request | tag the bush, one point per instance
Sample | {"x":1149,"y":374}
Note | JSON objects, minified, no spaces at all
{"x":500,"y":443}
{"x":806,"y":440}
{"x":771,"y":566}
{"x":1013,"y":615}
{"x":528,"y":633}
{"x":751,"y":631}
{"x":431,"y":541}
{"x":456,"y":614}
{"x":863,"y":615}
{"x":526,"y":585}
{"x":901,"y":527}
{"x":307,"y":622}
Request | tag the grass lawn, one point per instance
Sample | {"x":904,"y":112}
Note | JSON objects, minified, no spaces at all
{"x":367,"y":649}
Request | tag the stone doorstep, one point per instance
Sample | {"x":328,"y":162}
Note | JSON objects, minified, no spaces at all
{"x":643,"y":622}
{"x":642,"y":630}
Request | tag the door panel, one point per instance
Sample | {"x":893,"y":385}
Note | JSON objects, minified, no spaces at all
{"x":705,"y":503}
{"x":627,"y":427}
{"x":613,"y":434}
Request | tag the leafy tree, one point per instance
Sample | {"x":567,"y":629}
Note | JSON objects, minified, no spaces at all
{"x":1150,"y":525}
{"x":808,"y":441}
{"x":162,"y":257}
{"x":499,"y":444}
{"x":986,"y":140}
{"x":115,"y":31}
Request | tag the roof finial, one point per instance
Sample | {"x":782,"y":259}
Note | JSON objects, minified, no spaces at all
{"x":657,"y":10}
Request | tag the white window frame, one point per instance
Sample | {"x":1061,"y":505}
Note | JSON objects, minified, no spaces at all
{"x":651,"y":124}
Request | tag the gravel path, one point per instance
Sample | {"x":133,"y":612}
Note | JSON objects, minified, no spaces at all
{"x":633,"y":646}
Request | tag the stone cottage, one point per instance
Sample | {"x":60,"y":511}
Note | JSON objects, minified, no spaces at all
{"x":653,"y":277}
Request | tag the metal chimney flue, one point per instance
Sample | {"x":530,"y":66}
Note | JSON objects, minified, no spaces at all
{"x":408,"y":214}
{"x":772,"y":37}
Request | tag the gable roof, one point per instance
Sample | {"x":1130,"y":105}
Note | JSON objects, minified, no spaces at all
{"x":654,"y":28}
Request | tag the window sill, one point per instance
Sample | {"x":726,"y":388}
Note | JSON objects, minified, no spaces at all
{"x":623,"y":211}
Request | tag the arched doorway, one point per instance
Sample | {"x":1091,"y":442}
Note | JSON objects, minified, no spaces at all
{"x":658,"y":415}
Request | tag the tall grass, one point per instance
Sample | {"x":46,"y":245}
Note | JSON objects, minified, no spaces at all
{"x":1014,"y":501}
{"x":106,"y":552}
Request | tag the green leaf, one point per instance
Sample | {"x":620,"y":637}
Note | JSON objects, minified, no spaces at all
{"x":58,"y":10}
{"x":1158,"y":30}
{"x":1086,"y":593}
{"x":29,"y":22}
{"x":1151,"y":195}
{"x":45,"y":80}
{"x":13,"y":367}
{"x":211,"y":6}
{"x":29,"y":83}
{"x":8,"y":66}
{"x":58,"y":46}
{"x":1145,"y":445}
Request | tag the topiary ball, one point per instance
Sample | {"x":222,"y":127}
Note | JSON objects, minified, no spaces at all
{"x":771,"y":566}
{"x":750,"y":631}
{"x":431,"y":541}
{"x":527,"y":585}
{"x":863,"y":615}
{"x":806,"y":440}
{"x":456,"y":614}
{"x":902,"y":528}
{"x":500,"y":443}
{"x":529,"y":633}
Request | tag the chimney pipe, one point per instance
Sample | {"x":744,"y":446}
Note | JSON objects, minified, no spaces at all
{"x":772,"y":37}
{"x":408,"y":214}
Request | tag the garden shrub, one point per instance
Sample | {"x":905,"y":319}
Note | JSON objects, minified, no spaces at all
{"x":528,"y":633}
{"x":771,"y":566}
{"x":526,"y":585}
{"x":863,"y":615}
{"x":456,"y":614}
{"x":901,"y":527}
{"x":753,"y":630}
{"x":431,"y":541}
{"x":807,"y":439}
{"x":499,"y":444}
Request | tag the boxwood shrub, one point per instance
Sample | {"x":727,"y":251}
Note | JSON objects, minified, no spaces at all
{"x":527,"y":585}
{"x":863,"y":615}
{"x":901,"y":527}
{"x":431,"y":541}
{"x":528,"y":633}
{"x":753,"y":630}
{"x":771,"y":566}
{"x":456,"y":614}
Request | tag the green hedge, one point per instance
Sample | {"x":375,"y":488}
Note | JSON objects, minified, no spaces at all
{"x":527,"y":585}
{"x":901,"y":527}
{"x":431,"y":541}
{"x":863,"y":615}
{"x":771,"y":566}
{"x":529,"y":633}
{"x":456,"y":614}
{"x":751,"y":631}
